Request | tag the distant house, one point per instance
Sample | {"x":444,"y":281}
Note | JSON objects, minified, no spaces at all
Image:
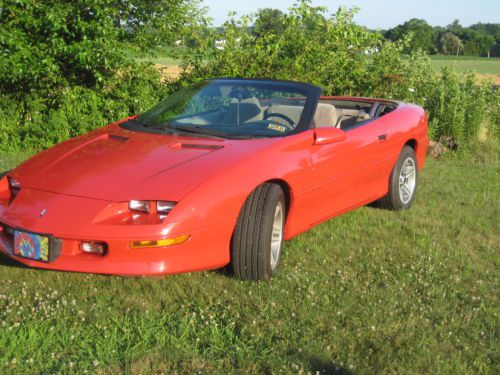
{"x":371,"y":51}
{"x":220,"y":44}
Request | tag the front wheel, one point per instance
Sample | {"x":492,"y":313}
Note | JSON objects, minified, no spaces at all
{"x":402,"y":182}
{"x":258,"y":237}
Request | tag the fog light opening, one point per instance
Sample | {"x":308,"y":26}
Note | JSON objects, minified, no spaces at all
{"x":93,"y":247}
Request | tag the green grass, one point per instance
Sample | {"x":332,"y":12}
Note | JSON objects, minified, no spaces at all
{"x":463,"y":64}
{"x":372,"y":291}
{"x":166,"y":56}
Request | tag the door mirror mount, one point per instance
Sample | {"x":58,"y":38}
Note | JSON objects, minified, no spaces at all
{"x":328,"y":135}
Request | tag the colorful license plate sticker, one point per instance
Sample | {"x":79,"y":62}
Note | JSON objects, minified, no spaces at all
{"x":31,"y":246}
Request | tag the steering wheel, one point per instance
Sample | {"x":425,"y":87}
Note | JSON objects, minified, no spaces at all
{"x":291,"y":124}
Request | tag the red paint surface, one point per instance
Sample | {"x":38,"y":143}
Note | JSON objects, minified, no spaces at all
{"x":86,"y":182}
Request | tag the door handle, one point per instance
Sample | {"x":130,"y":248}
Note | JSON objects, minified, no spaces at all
{"x":382,"y":137}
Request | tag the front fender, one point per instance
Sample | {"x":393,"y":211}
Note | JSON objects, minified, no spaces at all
{"x":220,"y":198}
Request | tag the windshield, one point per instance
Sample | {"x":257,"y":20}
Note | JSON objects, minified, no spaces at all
{"x":232,"y":108}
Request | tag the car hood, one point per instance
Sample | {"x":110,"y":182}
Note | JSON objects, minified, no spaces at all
{"x":117,"y":165}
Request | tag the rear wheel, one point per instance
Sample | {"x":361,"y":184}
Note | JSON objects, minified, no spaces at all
{"x":258,"y":238}
{"x":402,"y":182}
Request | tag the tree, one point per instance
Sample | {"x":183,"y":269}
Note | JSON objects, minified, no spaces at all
{"x":148,"y":23}
{"x":423,"y":35}
{"x":269,"y":20}
{"x":450,"y":44}
{"x":477,"y":43}
{"x":492,"y":29}
{"x":52,"y":44}
{"x":455,"y":27}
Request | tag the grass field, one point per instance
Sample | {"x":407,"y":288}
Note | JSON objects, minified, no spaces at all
{"x":372,"y":291}
{"x":464,"y":64}
{"x":164,"y":56}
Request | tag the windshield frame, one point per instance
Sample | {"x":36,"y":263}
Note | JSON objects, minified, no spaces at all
{"x":312,"y":95}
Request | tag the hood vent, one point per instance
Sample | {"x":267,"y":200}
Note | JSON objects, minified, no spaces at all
{"x":199,"y":146}
{"x":117,"y":138}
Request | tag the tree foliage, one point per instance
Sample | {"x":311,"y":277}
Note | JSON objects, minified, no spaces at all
{"x":63,"y":69}
{"x":148,"y":23}
{"x":268,"y":20}
{"x":423,"y":35}
{"x":450,"y":44}
{"x":310,"y":46}
{"x":476,"y":40}
{"x":51,"y":44}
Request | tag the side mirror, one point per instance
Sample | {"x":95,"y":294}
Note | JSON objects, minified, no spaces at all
{"x":328,"y":135}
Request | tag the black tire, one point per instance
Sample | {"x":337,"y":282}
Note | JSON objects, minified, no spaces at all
{"x":394,"y":199}
{"x":251,"y":241}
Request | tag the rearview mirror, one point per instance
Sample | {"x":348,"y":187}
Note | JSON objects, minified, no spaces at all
{"x":328,"y":135}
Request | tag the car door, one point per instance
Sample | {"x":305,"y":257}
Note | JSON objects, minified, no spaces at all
{"x":352,"y":172}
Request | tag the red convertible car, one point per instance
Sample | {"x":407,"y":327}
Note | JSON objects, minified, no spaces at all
{"x":218,"y":174}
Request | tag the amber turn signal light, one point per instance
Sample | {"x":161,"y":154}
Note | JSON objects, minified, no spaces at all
{"x":159,"y":243}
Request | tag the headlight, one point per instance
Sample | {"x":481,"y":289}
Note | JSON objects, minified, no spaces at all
{"x":140,"y":206}
{"x":164,"y":207}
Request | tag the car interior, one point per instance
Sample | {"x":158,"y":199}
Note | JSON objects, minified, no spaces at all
{"x":245,"y":108}
{"x":342,"y":114}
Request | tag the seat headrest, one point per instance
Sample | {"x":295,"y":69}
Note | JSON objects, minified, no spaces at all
{"x":244,"y":110}
{"x":326,"y":115}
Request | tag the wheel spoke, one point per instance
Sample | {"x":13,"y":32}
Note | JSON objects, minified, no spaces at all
{"x":406,"y":191}
{"x":276,"y":235}
{"x":407,"y":180}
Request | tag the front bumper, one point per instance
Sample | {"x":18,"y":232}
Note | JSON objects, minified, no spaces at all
{"x":207,"y":247}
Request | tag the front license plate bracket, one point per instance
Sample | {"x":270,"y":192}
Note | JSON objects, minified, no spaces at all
{"x":40,"y":247}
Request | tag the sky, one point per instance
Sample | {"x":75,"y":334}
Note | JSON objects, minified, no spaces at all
{"x":377,"y":14}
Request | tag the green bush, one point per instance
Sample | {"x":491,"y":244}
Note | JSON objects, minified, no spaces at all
{"x":35,"y":123}
{"x":63,"y":68}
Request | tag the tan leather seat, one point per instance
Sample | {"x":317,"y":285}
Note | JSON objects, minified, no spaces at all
{"x":246,"y":110}
{"x":325,"y":116}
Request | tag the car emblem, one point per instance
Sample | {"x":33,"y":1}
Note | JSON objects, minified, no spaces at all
{"x":44,"y":211}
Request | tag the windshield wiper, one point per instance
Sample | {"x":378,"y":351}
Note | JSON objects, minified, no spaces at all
{"x":197,"y":129}
{"x":192,"y":129}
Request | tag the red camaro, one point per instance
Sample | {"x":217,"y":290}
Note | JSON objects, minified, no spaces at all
{"x":218,"y":174}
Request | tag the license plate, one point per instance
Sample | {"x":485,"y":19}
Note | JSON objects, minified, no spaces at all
{"x":31,"y":246}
